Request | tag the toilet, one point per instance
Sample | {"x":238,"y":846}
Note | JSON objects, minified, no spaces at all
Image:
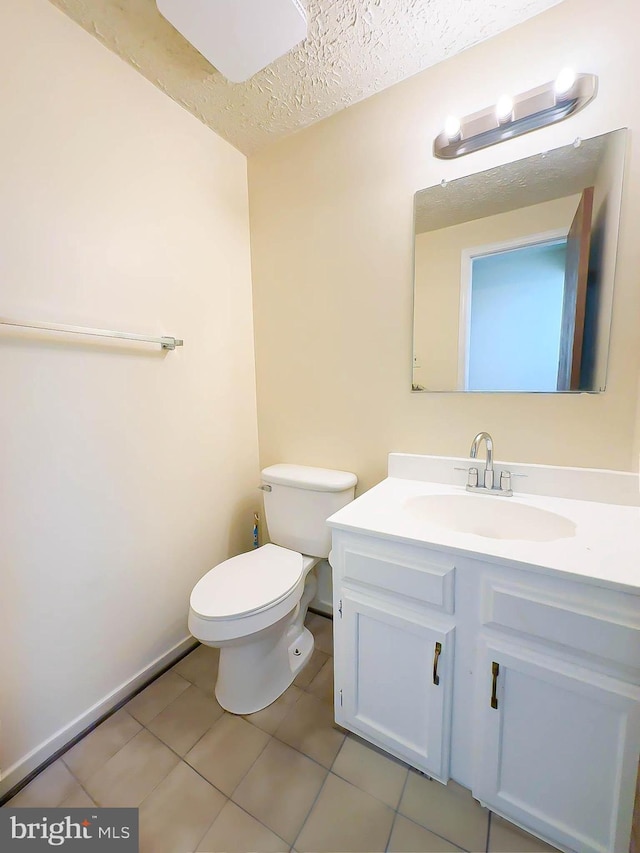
{"x":252,"y":607}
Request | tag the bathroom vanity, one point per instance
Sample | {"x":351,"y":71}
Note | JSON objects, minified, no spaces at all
{"x":496,"y":640}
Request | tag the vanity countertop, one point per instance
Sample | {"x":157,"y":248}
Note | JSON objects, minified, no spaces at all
{"x":604,"y":551}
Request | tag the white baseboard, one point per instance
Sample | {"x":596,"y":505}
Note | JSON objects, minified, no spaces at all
{"x":322,"y":606}
{"x":25,"y":765}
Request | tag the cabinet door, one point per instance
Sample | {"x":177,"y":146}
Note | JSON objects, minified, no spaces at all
{"x":394,"y":676}
{"x":557,"y":747}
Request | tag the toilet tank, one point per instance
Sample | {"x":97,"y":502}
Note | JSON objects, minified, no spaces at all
{"x":299,"y":499}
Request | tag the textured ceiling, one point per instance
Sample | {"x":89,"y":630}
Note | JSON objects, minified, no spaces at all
{"x":543,"y":177}
{"x":354,"y":49}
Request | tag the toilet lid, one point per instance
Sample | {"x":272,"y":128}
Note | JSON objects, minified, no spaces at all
{"x":247,"y":583}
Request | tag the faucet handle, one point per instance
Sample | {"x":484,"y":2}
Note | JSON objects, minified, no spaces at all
{"x":472,"y":475}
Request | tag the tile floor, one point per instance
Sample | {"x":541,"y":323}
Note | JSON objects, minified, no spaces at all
{"x":282,"y":779}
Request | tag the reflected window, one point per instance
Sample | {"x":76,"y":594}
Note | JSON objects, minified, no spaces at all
{"x":515,"y":318}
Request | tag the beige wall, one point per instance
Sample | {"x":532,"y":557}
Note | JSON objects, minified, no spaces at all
{"x":126,"y":473}
{"x":636,"y":442}
{"x":331,"y":219}
{"x":438,"y":280}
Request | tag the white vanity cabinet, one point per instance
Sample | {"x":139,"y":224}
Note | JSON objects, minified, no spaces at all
{"x":538,"y":709}
{"x":394,"y":649}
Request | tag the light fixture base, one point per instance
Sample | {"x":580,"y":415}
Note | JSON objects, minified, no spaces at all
{"x":534,"y":109}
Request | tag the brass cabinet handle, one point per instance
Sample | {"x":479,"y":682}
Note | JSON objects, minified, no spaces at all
{"x":436,"y":655}
{"x":495,"y":669}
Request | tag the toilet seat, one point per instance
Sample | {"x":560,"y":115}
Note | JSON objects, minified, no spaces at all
{"x":247,"y":584}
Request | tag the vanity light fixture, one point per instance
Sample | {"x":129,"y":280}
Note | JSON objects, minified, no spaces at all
{"x":566,"y":95}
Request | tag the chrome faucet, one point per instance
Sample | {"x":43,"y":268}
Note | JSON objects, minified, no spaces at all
{"x":487,"y":484}
{"x":473,"y":453}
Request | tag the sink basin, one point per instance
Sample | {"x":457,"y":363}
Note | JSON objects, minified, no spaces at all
{"x":491,"y":517}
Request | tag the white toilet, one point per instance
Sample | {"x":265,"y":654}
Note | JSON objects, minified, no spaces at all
{"x":252,"y":607}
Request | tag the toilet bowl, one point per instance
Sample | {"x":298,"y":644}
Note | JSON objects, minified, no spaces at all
{"x":252,"y":607}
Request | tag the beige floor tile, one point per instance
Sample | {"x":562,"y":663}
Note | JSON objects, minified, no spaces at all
{"x":313,"y":667}
{"x":370,"y":770}
{"x":234,"y":831}
{"x":408,"y":837}
{"x":280,"y":789}
{"x":504,"y":837}
{"x":449,"y":811}
{"x":322,"y":629}
{"x":227,"y":751}
{"x":78,"y":800}
{"x":309,"y":728}
{"x":177,"y":813}
{"x":132,"y":773}
{"x":96,"y":748}
{"x":155,"y":698}
{"x":270,"y":717}
{"x":186,"y":719}
{"x":345,"y":819}
{"x":322,"y":684}
{"x":200,"y":668}
{"x":48,"y":789}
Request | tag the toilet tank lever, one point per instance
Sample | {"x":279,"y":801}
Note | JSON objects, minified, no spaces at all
{"x":265,"y":487}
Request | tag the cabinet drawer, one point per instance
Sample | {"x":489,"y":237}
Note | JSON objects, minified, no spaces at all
{"x":575,"y":624}
{"x":408,"y":572}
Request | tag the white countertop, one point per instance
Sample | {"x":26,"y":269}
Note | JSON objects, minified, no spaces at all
{"x":605,"y":550}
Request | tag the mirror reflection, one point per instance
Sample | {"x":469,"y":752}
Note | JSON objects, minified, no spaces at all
{"x":514,"y":272}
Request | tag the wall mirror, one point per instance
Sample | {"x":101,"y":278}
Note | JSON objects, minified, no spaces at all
{"x":514,"y":273}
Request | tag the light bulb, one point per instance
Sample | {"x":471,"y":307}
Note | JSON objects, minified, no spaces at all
{"x":504,"y":108}
{"x":452,"y":127}
{"x":565,"y":81}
